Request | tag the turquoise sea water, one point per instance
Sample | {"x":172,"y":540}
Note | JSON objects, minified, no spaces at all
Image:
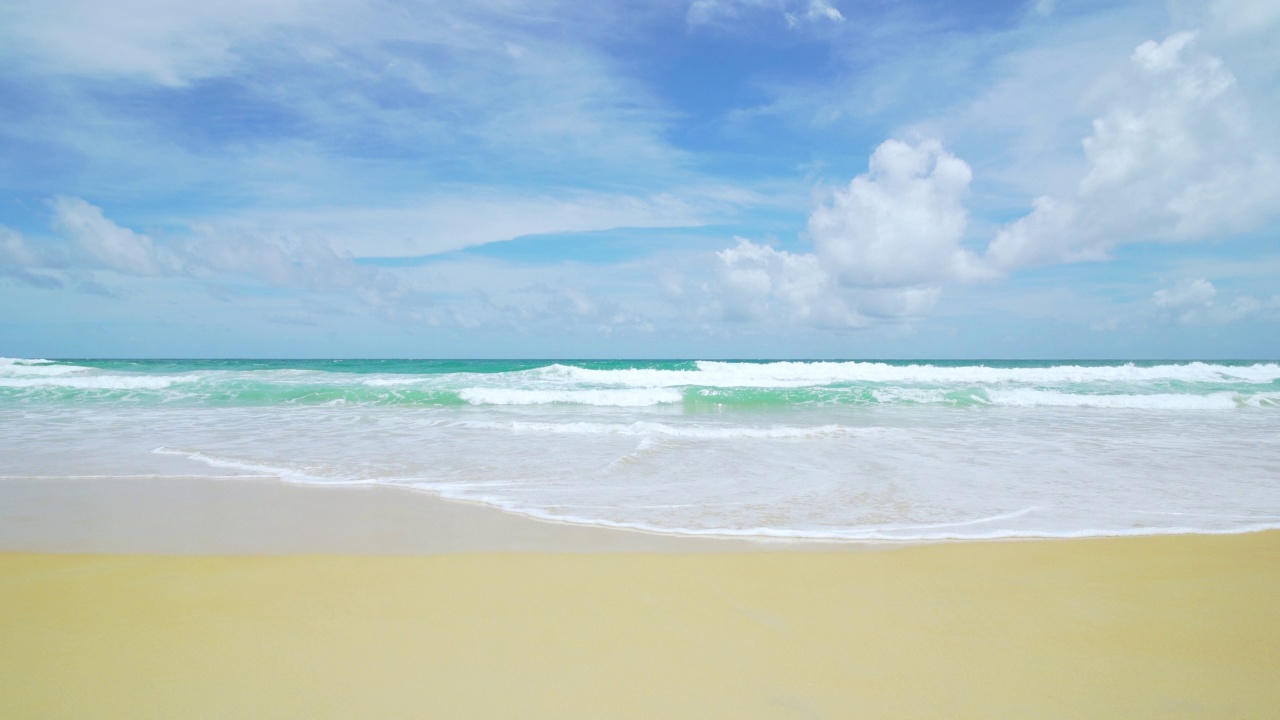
{"x":857,"y":449}
{"x":699,"y":385}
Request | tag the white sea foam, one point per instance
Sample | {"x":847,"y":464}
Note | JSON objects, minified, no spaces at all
{"x":605,"y":397}
{"x":284,"y":472}
{"x":642,"y":448}
{"x":20,"y":367}
{"x":1262,"y":400}
{"x":805,"y":374}
{"x":968,"y":529}
{"x":915,"y":395}
{"x":98,"y":382}
{"x":396,"y":380}
{"x":1118,"y":450}
{"x":36,"y":373}
{"x":1024,"y":397}
{"x":900,"y":533}
{"x":708,"y":432}
{"x":732,"y":433}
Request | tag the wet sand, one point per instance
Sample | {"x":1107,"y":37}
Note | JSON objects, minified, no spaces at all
{"x":1157,"y":627}
{"x":213,"y":515}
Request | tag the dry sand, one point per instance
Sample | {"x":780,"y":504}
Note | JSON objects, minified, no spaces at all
{"x":1159,"y":627}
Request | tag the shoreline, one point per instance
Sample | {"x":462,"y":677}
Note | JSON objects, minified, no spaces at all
{"x":213,"y":514}
{"x":264,"y":515}
{"x":226,"y":597}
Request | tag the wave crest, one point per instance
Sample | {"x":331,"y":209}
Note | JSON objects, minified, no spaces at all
{"x":605,"y":397}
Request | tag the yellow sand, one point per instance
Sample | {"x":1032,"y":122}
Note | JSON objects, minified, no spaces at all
{"x":1115,"y":628}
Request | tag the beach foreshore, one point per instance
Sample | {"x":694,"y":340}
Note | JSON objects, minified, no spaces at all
{"x":342,"y":606}
{"x":236,"y":515}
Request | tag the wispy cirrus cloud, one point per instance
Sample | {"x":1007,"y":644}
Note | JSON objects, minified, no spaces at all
{"x":390,"y":114}
{"x":792,"y":12}
{"x":455,"y":219}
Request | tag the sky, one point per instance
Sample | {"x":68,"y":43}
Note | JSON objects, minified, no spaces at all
{"x":662,"y":179}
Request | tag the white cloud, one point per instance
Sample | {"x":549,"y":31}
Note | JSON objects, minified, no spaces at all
{"x":1238,"y":19}
{"x":755,"y":282}
{"x":169,"y":42}
{"x":325,"y":101}
{"x":901,"y":223}
{"x":1191,"y":293}
{"x":794,"y":12}
{"x":397,"y":116}
{"x":1180,"y":155}
{"x":296,"y":262}
{"x":287,"y":261}
{"x":448,"y":222}
{"x":111,"y":246}
{"x":817,"y":11}
{"x":1195,"y":302}
{"x":884,"y":246}
{"x":16,"y":259}
{"x":466,"y":292}
{"x":484,"y":292}
{"x":14,"y":250}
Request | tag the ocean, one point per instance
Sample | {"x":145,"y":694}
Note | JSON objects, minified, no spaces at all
{"x":893,"y":450}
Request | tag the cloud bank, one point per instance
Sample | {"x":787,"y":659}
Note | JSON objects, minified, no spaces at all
{"x":1180,"y":154}
{"x":218,"y":256}
{"x":1196,"y":302}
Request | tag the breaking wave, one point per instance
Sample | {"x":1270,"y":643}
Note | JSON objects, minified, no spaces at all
{"x":701,"y":385}
{"x":815,"y":450}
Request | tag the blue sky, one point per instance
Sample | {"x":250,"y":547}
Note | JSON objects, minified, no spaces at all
{"x":693,"y":178}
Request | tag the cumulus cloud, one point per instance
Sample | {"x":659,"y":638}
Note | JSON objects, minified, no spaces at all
{"x":755,"y":282}
{"x":1181,"y":153}
{"x":884,"y":246}
{"x":901,"y":223}
{"x":1178,"y":156}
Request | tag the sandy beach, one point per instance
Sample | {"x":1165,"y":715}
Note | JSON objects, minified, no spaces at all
{"x":290,"y":601}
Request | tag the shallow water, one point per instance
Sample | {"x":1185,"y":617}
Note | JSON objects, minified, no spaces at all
{"x":906,"y":450}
